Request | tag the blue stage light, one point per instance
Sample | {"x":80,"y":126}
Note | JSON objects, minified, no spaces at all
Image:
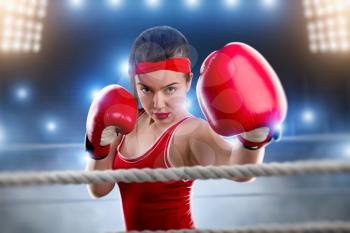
{"x":94,"y":93}
{"x":231,"y":3}
{"x":269,"y":3}
{"x":188,"y":104}
{"x":77,"y":3}
{"x":51,"y":126}
{"x":22,"y":93}
{"x":192,"y":3}
{"x":124,"y":68}
{"x":153,"y":3}
{"x":114,"y":3}
{"x":2,"y":135}
{"x":308,"y":116}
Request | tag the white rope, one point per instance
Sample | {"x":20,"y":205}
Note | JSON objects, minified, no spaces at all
{"x":162,"y":174}
{"x":311,"y":227}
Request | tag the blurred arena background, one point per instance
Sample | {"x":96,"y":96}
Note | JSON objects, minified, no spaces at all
{"x":56,"y":55}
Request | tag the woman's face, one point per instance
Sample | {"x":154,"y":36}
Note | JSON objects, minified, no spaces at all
{"x":162,"y":94}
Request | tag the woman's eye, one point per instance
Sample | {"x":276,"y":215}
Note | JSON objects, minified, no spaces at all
{"x":171,"y":89}
{"x":145,"y":90}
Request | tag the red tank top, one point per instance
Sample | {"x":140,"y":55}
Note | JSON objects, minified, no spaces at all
{"x":155,"y":205}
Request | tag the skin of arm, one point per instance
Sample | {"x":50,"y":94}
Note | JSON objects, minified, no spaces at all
{"x":102,"y":189}
{"x":206,"y":147}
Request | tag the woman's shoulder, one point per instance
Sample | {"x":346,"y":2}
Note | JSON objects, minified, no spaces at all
{"x":191,"y":126}
{"x":185,"y":133}
{"x":194,"y":122}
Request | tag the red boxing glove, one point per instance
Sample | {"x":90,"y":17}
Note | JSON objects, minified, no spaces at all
{"x":113,"y":111}
{"x":239,"y":93}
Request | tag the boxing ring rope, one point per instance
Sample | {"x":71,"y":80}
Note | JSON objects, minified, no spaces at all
{"x":309,"y":227}
{"x":172,"y":174}
{"x":10,"y":179}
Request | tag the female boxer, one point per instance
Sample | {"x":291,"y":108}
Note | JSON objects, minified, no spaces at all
{"x":163,"y":134}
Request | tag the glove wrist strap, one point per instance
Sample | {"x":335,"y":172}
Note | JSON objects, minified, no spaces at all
{"x":273,"y":135}
{"x":96,"y":153}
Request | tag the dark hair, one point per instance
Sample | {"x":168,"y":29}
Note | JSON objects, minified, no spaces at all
{"x":157,"y":44}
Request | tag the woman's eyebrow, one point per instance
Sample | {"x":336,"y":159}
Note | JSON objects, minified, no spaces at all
{"x":162,"y":87}
{"x":142,"y":84}
{"x":170,"y":84}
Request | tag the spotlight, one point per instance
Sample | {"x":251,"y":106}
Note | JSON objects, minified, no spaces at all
{"x":347,"y":150}
{"x":2,"y":135}
{"x":77,"y":3}
{"x":124,"y":68}
{"x":192,"y":3}
{"x":231,"y":3}
{"x":269,"y":3}
{"x":22,"y":27}
{"x":84,"y":158}
{"x":114,"y":3}
{"x":152,"y":3}
{"x":22,"y":93}
{"x":327,"y":25}
{"x":308,"y":116}
{"x":94,"y":93}
{"x":188,"y":104}
{"x":51,"y":126}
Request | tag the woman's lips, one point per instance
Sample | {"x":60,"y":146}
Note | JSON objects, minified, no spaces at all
{"x":162,"y":115}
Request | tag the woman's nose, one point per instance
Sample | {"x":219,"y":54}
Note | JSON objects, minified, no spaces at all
{"x":158,"y":101}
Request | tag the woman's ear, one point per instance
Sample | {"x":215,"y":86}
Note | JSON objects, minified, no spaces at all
{"x":189,"y":82}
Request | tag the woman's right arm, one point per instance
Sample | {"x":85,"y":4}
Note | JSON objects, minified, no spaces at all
{"x":112,"y":111}
{"x":102,"y":189}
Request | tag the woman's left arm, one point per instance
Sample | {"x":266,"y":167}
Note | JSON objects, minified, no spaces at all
{"x":206,"y":147}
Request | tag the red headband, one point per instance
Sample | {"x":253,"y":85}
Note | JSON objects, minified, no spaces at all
{"x":182,"y":65}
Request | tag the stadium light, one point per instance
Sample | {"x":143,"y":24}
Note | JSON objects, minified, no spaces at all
{"x":231,"y":3}
{"x":2,"y":134}
{"x":327,"y":25}
{"x":114,"y":3}
{"x":308,"y":116}
{"x":94,"y":93}
{"x":77,"y":3}
{"x":22,"y":93}
{"x":51,"y":126}
{"x":188,"y":104}
{"x":153,"y":3}
{"x":347,"y":150}
{"x":124,"y":67}
{"x":84,"y":158}
{"x":22,"y":25}
{"x":269,"y":3}
{"x":192,"y":3}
